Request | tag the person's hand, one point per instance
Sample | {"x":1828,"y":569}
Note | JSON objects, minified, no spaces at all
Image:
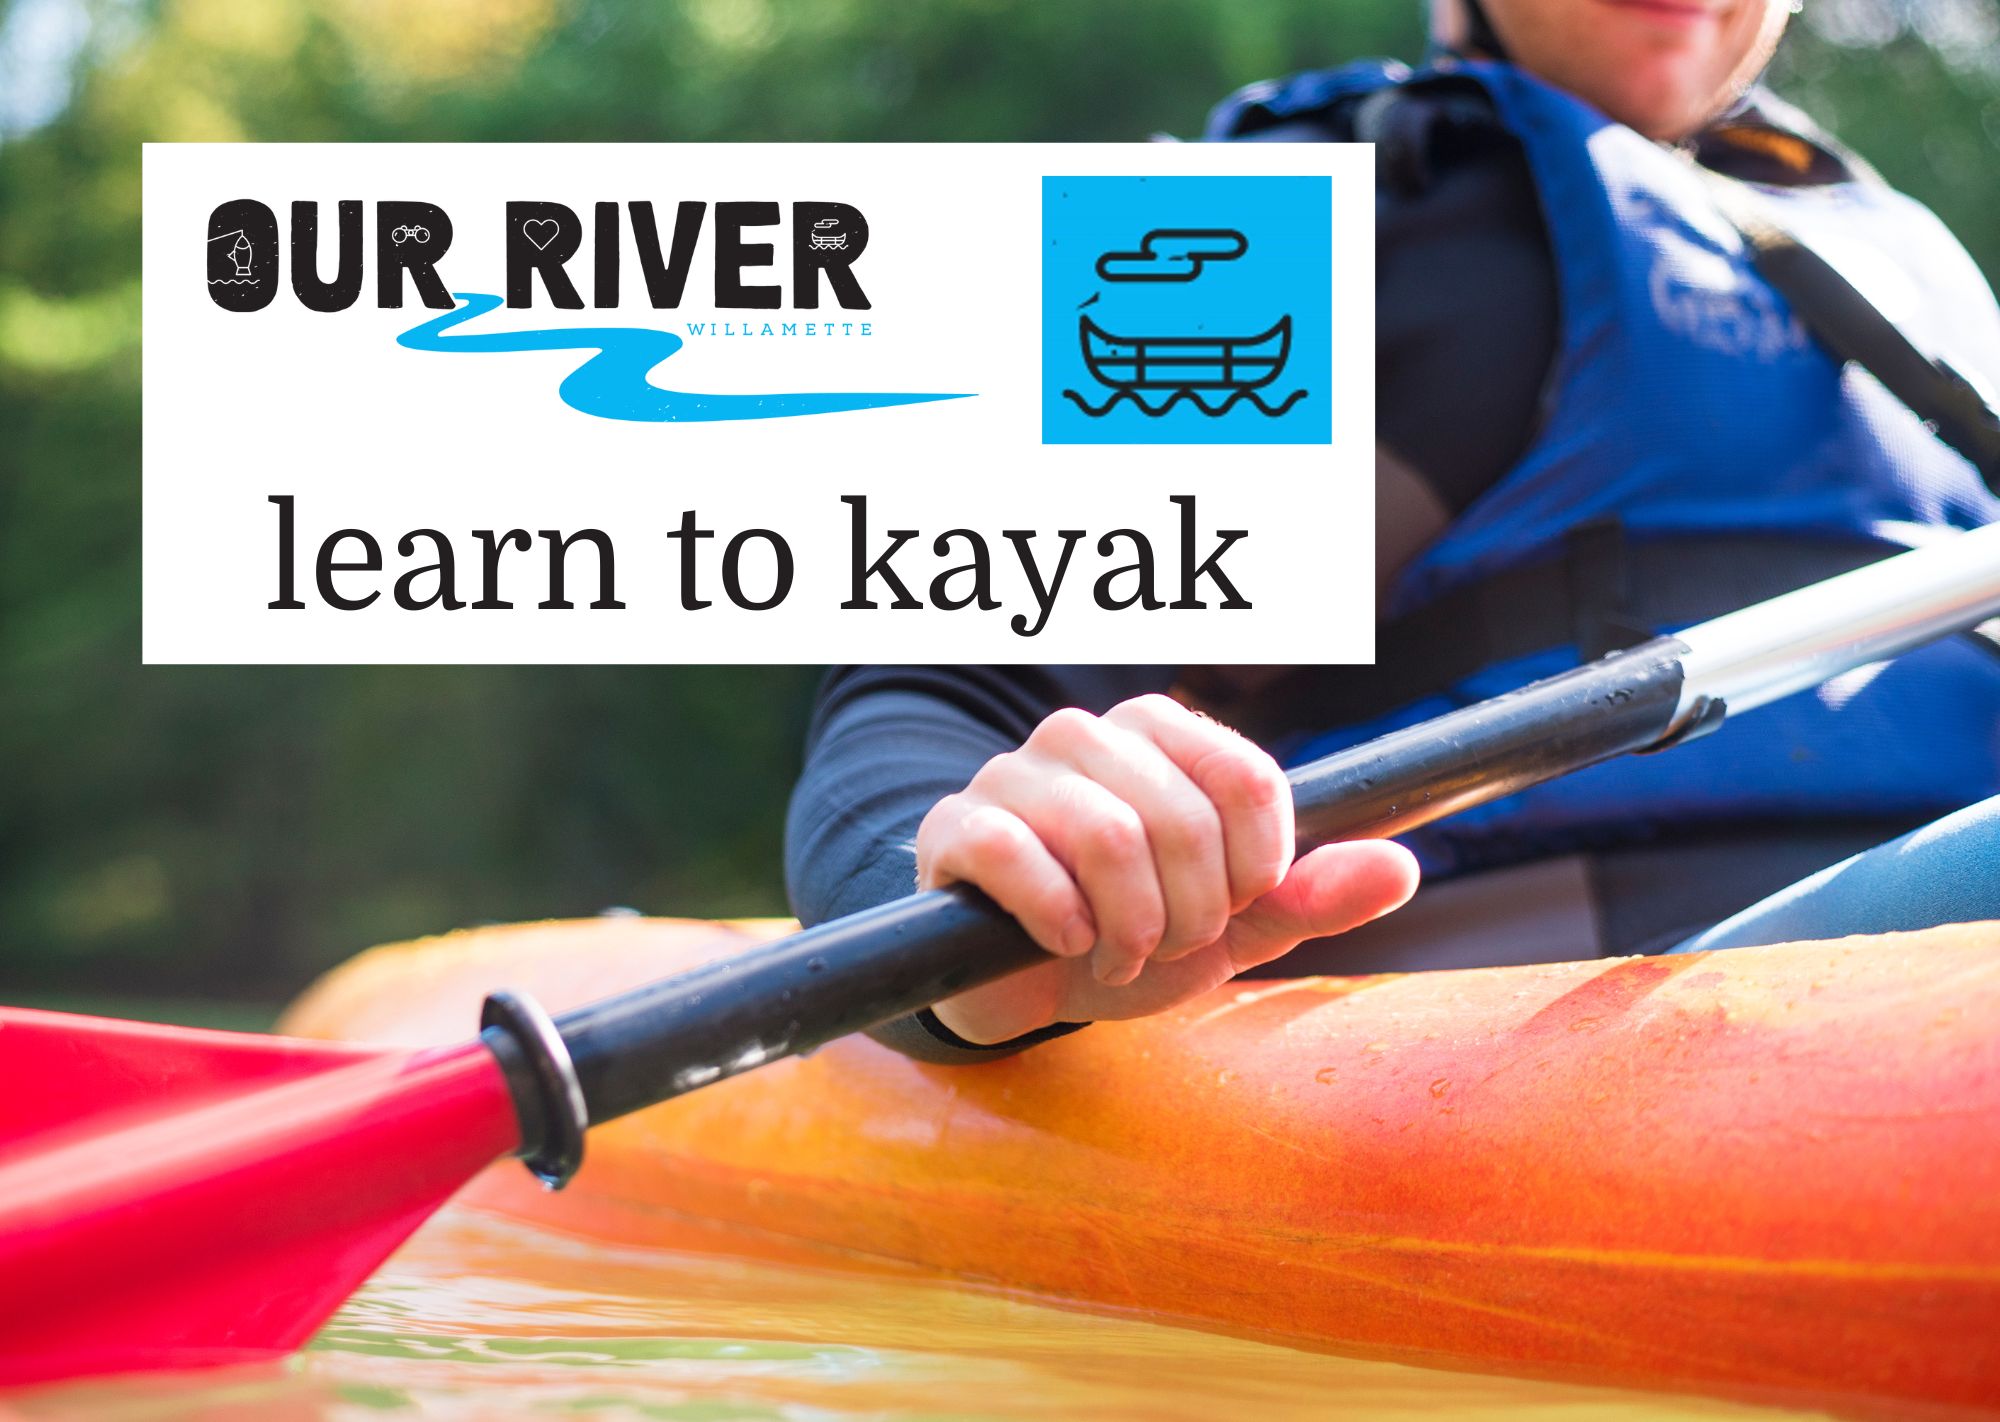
{"x":1149,"y":850}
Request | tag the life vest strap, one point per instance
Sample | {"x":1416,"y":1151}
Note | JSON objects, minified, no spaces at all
{"x":1853,"y":329}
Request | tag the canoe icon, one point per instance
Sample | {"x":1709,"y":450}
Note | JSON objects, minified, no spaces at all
{"x":825,"y":238}
{"x":1186,"y":362}
{"x":1184,"y":367}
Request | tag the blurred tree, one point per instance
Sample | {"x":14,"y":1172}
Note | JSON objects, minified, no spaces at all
{"x":1914,"y":85}
{"x":232,"y":830}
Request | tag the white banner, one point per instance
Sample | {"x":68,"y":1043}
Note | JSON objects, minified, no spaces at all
{"x":759,"y":403}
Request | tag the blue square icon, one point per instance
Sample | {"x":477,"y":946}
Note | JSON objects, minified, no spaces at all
{"x":1187,"y":310}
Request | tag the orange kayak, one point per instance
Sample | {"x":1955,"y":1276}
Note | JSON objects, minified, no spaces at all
{"x":1772,"y":1172}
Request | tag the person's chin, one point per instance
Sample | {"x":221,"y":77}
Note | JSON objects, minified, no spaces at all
{"x":1656,"y":95}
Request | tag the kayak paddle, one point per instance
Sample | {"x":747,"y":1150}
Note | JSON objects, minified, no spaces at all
{"x":171,"y":1197}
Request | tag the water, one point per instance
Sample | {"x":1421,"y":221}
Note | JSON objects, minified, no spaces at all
{"x":485,"y":1317}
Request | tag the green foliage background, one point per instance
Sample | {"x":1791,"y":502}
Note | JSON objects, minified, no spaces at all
{"x":231,"y":831}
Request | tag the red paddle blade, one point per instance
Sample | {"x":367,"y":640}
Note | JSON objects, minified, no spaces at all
{"x":171,"y":1197}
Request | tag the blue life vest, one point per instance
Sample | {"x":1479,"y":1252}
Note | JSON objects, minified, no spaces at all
{"x":1688,"y":401}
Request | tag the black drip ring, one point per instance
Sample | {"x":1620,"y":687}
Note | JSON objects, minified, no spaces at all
{"x":553,"y":1114}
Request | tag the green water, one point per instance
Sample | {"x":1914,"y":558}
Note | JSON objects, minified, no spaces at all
{"x":481,"y":1317}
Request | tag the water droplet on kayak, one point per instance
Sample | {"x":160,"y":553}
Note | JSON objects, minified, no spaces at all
{"x":815,"y":965}
{"x":1440,"y":1086}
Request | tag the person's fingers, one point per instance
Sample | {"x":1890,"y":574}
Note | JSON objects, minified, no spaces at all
{"x":1183,"y":829}
{"x":1243,"y":783}
{"x":1332,"y":889}
{"x":1100,"y":840}
{"x":986,"y":845}
{"x":1103,"y":842}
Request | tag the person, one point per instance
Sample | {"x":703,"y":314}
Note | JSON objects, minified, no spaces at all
{"x":1595,"y":421}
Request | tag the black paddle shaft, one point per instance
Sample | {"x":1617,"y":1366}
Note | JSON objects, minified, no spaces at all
{"x":795,"y":994}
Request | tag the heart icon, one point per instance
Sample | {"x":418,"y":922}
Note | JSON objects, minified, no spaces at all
{"x":541,"y":231}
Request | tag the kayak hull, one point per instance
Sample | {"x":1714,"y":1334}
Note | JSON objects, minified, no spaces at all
{"x":1770,"y":1172}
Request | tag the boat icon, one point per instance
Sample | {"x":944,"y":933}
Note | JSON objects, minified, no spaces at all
{"x":825,"y":238}
{"x":1185,"y":367}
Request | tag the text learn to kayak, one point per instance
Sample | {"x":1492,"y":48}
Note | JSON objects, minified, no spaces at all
{"x":898,"y":569}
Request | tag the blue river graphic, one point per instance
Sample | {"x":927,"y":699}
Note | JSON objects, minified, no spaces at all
{"x":612,"y":384}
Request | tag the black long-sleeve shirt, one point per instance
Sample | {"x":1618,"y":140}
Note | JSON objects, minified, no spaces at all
{"x":1465,"y":300}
